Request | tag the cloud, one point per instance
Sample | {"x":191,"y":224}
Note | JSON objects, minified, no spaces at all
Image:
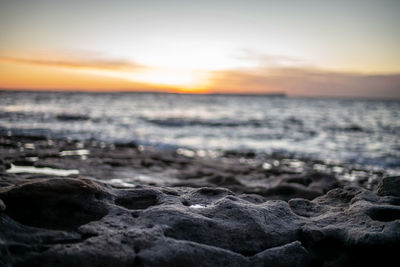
{"x":296,"y":76}
{"x":75,"y":62}
{"x":264,"y":74}
{"x":306,"y":81}
{"x":270,"y":60}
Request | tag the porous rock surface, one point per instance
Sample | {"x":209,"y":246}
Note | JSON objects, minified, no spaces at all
{"x":83,"y":222}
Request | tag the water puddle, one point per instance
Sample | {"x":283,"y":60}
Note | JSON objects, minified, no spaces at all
{"x":29,"y":146}
{"x":186,"y":152}
{"x":320,"y":167}
{"x":44,"y":170}
{"x":295,"y":164}
{"x":198,"y":206}
{"x":119,"y":182}
{"x":355,"y":175}
{"x":32,"y":159}
{"x":338,"y":169}
{"x":267,"y":166}
{"x":79,"y":152}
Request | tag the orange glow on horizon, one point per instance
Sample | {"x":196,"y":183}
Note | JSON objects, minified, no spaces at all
{"x":104,"y":75}
{"x":96,"y":75}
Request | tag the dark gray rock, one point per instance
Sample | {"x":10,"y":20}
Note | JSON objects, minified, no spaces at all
{"x":72,"y":221}
{"x":389,"y":186}
{"x":2,"y":205}
{"x":230,"y":211}
{"x":72,"y":117}
{"x":289,"y":255}
{"x":56,"y":203}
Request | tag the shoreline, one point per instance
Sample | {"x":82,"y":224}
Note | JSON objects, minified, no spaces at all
{"x":134,"y":164}
{"x":66,"y":202}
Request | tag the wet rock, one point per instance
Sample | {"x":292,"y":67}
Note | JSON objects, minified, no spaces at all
{"x":305,"y":208}
{"x":239,"y":171}
{"x":2,"y":205}
{"x":72,"y":117}
{"x":137,"y":199}
{"x":232,"y":224}
{"x":227,"y":211}
{"x":390,"y":186}
{"x":55,"y":203}
{"x":345,"y":230}
{"x":289,"y":191}
{"x":67,"y":221}
{"x":292,"y":254}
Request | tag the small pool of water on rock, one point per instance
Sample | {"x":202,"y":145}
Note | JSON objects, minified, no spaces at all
{"x":45,"y":170}
{"x":32,"y":159}
{"x":119,"y":182}
{"x":198,"y":206}
{"x":79,"y":152}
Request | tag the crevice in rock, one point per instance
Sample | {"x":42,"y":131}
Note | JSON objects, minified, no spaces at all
{"x":138,"y":261}
{"x":245,"y":254}
{"x":135,"y":214}
{"x":384,"y":214}
{"x":139,"y":202}
{"x":208,"y":191}
{"x":299,"y":180}
{"x":70,"y":240}
{"x":170,"y":233}
{"x":85,"y":236}
{"x":322,"y":247}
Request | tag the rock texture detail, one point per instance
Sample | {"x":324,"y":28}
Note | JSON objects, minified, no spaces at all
{"x":126,"y":205}
{"x":83,"y":222}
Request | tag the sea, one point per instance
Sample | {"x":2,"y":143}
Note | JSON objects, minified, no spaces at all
{"x":363,"y":132}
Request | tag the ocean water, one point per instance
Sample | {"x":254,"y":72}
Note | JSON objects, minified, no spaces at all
{"x":363,"y":132}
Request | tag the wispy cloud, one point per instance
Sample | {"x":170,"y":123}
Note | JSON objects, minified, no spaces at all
{"x":270,"y":60}
{"x":76,"y":62}
{"x":306,"y":81}
{"x":263,"y":74}
{"x":296,"y":76}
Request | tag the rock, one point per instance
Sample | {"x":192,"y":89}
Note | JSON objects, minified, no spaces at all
{"x":231,"y":224}
{"x":55,"y":203}
{"x":389,"y":186}
{"x":347,"y":230}
{"x":308,"y":186}
{"x":229,"y":211}
{"x":79,"y":221}
{"x":242,"y":172}
{"x":288,"y":191}
{"x":305,"y":208}
{"x":72,"y":117}
{"x":289,"y":255}
{"x":2,"y":205}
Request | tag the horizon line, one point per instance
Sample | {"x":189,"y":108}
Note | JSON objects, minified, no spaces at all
{"x":270,"y":94}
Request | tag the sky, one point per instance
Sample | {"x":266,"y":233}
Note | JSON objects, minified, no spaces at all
{"x":307,"y":48}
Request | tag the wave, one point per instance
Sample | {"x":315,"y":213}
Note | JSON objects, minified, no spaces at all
{"x":72,"y":117}
{"x":348,"y":128}
{"x":182,"y":122}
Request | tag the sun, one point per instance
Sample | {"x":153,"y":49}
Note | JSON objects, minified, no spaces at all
{"x":183,"y":80}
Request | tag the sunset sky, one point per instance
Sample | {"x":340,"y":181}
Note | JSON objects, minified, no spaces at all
{"x":326,"y":48}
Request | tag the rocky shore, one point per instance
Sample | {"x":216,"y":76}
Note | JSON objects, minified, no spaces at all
{"x":68,"y":203}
